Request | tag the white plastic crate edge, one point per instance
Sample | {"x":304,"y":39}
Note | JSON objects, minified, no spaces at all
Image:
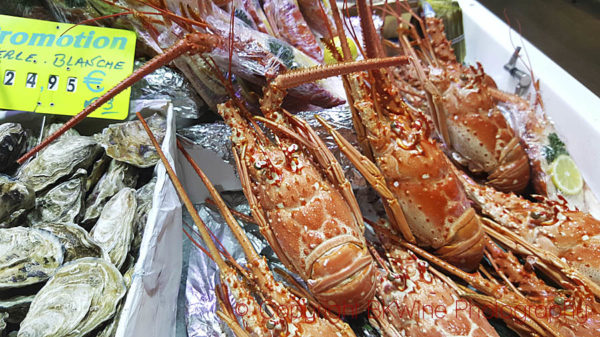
{"x":573,"y":108}
{"x":150,"y":307}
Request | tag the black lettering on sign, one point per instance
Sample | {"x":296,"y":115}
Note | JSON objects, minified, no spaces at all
{"x":9,"y":77}
{"x":71,"y":84}
{"x":53,"y":82}
{"x":31,"y":80}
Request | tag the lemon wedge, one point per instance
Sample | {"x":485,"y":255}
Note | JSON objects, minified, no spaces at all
{"x":566,"y":176}
{"x":330,"y":59}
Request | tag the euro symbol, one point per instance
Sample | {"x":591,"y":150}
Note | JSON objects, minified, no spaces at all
{"x":93,"y":83}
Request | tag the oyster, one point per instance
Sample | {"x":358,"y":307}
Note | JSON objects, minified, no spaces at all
{"x":16,"y":308}
{"x":118,"y":176}
{"x":143,"y":197}
{"x":14,"y":195}
{"x":62,"y":204}
{"x":52,"y":128}
{"x":111,"y":329}
{"x":97,"y":172}
{"x":76,"y":241}
{"x":3,"y":317}
{"x":114,"y":229}
{"x":59,"y":160}
{"x":81,"y":296}
{"x":128,"y":142}
{"x":27,"y":256}
{"x":13,"y":140}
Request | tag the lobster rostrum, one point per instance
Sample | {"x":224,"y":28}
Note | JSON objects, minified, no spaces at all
{"x":463,"y":107}
{"x":421,"y":193}
{"x":300,"y":198}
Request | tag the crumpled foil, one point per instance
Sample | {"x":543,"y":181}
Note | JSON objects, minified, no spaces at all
{"x":167,"y":83}
{"x":203,"y":276}
{"x":215,"y":137}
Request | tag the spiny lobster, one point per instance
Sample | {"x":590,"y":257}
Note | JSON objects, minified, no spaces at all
{"x":422,"y":195}
{"x":463,"y":106}
{"x":259,"y":319}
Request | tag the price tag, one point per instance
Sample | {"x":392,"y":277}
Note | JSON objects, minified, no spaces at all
{"x":46,"y":67}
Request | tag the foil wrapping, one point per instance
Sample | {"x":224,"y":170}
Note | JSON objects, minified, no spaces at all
{"x":167,"y":83}
{"x":203,"y":275}
{"x":215,"y":137}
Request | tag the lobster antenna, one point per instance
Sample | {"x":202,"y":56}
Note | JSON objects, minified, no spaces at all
{"x":202,"y":228}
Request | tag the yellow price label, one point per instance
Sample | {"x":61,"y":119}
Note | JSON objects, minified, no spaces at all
{"x":46,"y":67}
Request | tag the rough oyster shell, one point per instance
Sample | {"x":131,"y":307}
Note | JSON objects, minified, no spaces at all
{"x":111,"y":329}
{"x":16,"y":308}
{"x":114,"y":229}
{"x":97,"y":171}
{"x":14,"y":195}
{"x":81,"y":295}
{"x":60,"y":159}
{"x":143,"y":197}
{"x":118,"y":176}
{"x":13,"y":140}
{"x":76,"y":241}
{"x":62,"y":204}
{"x":3,"y":317}
{"x":129,"y":142}
{"x":52,"y":128}
{"x":27,"y":256}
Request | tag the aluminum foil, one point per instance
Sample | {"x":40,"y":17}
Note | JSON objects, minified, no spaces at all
{"x":202,"y":273}
{"x":167,"y":83}
{"x":215,"y":137}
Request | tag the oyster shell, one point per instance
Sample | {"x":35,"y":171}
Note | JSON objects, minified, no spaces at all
{"x":81,"y":296}
{"x":76,"y":241}
{"x":97,"y":172}
{"x":51,"y":128}
{"x":62,"y":204}
{"x":143,"y":197}
{"x":16,"y":308}
{"x":3,"y":317}
{"x":60,"y":159}
{"x":118,"y":176}
{"x":13,"y":140}
{"x":114,"y":229}
{"x":14,"y":195}
{"x":128,"y":142}
{"x":27,"y":256}
{"x":111,"y":329}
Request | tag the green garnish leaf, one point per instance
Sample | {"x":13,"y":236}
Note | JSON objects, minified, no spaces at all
{"x":554,"y":148}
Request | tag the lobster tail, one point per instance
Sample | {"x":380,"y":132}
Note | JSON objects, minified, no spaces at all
{"x":513,"y":173}
{"x":465,"y":249}
{"x":344,"y":278}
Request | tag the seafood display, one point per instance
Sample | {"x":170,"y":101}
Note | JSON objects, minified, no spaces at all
{"x":70,"y":220}
{"x":432,"y":204}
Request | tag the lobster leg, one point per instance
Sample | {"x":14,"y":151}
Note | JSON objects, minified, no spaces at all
{"x":374,"y":177}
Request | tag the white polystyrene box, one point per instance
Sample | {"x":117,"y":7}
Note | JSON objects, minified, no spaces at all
{"x":573,"y":108}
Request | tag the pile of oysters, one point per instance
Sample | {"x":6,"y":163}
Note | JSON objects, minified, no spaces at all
{"x":71,"y":226}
